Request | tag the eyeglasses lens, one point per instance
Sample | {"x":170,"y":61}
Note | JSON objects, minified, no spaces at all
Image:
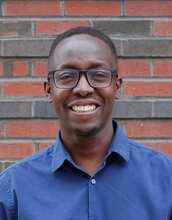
{"x":69,"y":78}
{"x":99,"y":78}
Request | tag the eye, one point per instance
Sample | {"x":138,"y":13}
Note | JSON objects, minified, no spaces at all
{"x":65,"y":76}
{"x":99,"y":75}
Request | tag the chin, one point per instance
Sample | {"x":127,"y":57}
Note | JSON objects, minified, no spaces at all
{"x":86,"y":132}
{"x":85,"y":129}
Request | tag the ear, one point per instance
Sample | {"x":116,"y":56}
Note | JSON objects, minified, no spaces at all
{"x":118,"y":87}
{"x":47,"y":91}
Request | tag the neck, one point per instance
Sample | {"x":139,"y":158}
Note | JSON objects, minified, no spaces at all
{"x":88,"y":151}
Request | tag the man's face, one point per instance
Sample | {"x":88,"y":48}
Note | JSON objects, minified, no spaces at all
{"x":83,"y":52}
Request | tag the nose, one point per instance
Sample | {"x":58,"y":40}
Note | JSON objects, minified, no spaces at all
{"x":83,"y":88}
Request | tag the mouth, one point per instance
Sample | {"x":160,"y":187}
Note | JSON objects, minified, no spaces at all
{"x":84,"y":108}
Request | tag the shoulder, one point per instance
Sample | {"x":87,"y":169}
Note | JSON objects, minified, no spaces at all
{"x":15,"y":178}
{"x":148,"y":155}
{"x":32,"y":160}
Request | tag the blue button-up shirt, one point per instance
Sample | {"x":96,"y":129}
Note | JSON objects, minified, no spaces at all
{"x":134,"y":182}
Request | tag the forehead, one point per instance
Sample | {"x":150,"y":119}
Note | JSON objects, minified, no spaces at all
{"x":83,"y":48}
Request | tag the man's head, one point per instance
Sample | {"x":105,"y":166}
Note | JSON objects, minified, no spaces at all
{"x":83,"y":30}
{"x":84,"y":108}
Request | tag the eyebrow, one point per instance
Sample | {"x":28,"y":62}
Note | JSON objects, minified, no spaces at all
{"x":72,"y":66}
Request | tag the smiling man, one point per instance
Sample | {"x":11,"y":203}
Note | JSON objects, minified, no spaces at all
{"x":93,"y":171}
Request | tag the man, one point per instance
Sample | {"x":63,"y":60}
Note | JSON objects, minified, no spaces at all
{"x":93,"y":171}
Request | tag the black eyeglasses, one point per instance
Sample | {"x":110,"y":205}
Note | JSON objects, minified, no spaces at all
{"x":69,"y":78}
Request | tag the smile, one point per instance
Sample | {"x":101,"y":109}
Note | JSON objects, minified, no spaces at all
{"x":84,"y":108}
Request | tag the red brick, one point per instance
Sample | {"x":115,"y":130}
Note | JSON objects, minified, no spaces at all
{"x":163,"y":68}
{"x":53,"y":27}
{"x":1,"y":130}
{"x":44,"y":145}
{"x":163,"y":27}
{"x":10,"y":22}
{"x":0,"y":88}
{"x":121,"y":124}
{"x":147,"y":8}
{"x":149,"y":129}
{"x":165,"y":148}
{"x":32,"y":129}
{"x":148,"y":89}
{"x":41,"y":68}
{"x":1,"y":165}
{"x":24,"y":89}
{"x":149,"y":144}
{"x":20,"y":68}
{"x":93,"y":8}
{"x":10,"y":33}
{"x":1,"y":69}
{"x":134,"y":68}
{"x":16,"y":150}
{"x":6,"y":164}
{"x":32,"y":8}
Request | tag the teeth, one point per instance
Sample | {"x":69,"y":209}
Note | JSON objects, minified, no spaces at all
{"x":83,"y":108}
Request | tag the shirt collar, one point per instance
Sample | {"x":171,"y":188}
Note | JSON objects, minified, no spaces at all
{"x":59,"y":155}
{"x":119,"y":145}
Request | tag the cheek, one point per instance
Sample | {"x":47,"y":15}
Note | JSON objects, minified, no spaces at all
{"x":109,"y":92}
{"x":59,"y":97}
{"x":109,"y":97}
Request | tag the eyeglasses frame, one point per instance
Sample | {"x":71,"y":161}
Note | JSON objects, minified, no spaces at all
{"x":113,"y":71}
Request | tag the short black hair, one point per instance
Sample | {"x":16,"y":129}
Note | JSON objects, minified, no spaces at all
{"x":83,"y":30}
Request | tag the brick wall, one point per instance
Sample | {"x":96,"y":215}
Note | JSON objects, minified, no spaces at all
{"x":142,"y":31}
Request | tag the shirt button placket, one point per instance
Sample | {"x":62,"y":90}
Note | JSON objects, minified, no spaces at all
{"x":92,"y":202}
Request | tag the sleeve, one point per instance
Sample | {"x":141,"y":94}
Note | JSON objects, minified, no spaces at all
{"x":6,"y":207}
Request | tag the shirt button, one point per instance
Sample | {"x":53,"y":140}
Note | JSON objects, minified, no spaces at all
{"x":93,"y":181}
